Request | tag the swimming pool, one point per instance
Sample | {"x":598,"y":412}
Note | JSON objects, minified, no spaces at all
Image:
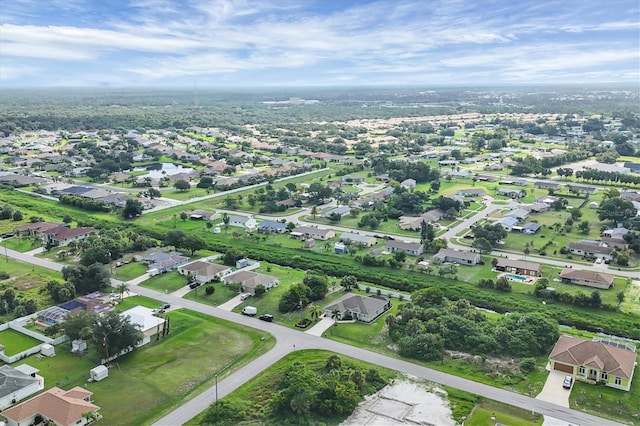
{"x":515,"y":277}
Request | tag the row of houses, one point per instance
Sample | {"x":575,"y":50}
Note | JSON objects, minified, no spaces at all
{"x":54,"y":234}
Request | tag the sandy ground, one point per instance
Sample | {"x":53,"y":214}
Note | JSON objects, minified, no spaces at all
{"x":404,"y":402}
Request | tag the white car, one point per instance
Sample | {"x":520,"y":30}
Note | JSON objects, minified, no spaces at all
{"x":245,"y":296}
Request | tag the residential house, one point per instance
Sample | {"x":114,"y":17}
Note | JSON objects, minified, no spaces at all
{"x":547,"y":185}
{"x":520,"y":214}
{"x":408,"y":184}
{"x":633,"y":167}
{"x":619,"y":232}
{"x":486,"y":178}
{"x":203,"y":215}
{"x":64,"y":408}
{"x":595,"y":249}
{"x":161,"y":262}
{"x":600,"y":361}
{"x":518,"y":182}
{"x":341,"y":210}
{"x":203,"y":272}
{"x":18,"y":383}
{"x":249,"y":280}
{"x":508,"y":223}
{"x":352,"y":178}
{"x":248,"y":223}
{"x":472,"y":192}
{"x":459,"y":257}
{"x":615,"y":242}
{"x":307,"y":232}
{"x":537,"y":207}
{"x":512,"y":193}
{"x":37,"y":228}
{"x":63,"y":235}
{"x":360,"y":308}
{"x":531,"y":228}
{"x":414,"y":223}
{"x":582,"y":189}
{"x":593,"y":205}
{"x":630,"y":195}
{"x":411,"y":249}
{"x":519,"y":267}
{"x":272,"y":227}
{"x":149,"y":324}
{"x":358,"y":239}
{"x":586,"y":278}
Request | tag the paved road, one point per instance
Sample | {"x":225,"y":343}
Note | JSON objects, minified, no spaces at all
{"x":288,"y":340}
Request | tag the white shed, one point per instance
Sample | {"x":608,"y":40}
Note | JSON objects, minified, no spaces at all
{"x":47,"y":350}
{"x":78,"y":346}
{"x":98,"y":373}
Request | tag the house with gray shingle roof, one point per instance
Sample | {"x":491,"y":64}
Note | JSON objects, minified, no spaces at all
{"x":360,"y":308}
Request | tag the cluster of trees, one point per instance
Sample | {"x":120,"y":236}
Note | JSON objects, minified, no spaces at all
{"x":303,"y":394}
{"x":529,"y":165}
{"x":84,"y":203}
{"x":86,"y":279}
{"x":486,"y":236}
{"x":450,"y":206}
{"x":110,"y":333}
{"x":400,"y":170}
{"x":8,"y":212}
{"x":314,"y":286}
{"x":579,"y":299}
{"x":180,"y":240}
{"x":16,"y":307}
{"x":616,"y":210}
{"x":430,"y":323}
{"x":501,"y":283}
{"x":595,"y":175}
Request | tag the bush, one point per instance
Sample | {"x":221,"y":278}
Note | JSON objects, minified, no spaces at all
{"x":209,"y":290}
{"x":527,"y":365}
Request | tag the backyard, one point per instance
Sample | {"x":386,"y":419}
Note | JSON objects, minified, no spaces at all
{"x":16,"y":342}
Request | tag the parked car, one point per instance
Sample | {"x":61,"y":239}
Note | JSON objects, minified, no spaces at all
{"x":194,"y":285}
{"x":166,"y":306}
{"x":266,"y":317}
{"x":568,"y":381}
{"x":245,"y":296}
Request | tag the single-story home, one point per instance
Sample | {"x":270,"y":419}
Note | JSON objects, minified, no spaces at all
{"x":269,"y":226}
{"x":413,"y":223}
{"x":460,"y":257}
{"x":472,"y":192}
{"x":547,"y":185}
{"x":519,"y":267}
{"x":586,"y":278}
{"x":161,"y":262}
{"x":144,"y":317}
{"x":582,"y":189}
{"x":341,"y":210}
{"x":203,"y":215}
{"x":37,"y":228}
{"x":408,"y":183}
{"x":411,"y":249}
{"x":537,"y":207}
{"x":595,"y":249}
{"x":520,"y":214}
{"x":600,"y":361}
{"x":360,"y":308}
{"x":615,"y":232}
{"x":514,"y":181}
{"x":531,"y":228}
{"x":203,"y":272}
{"x":615,"y":242}
{"x":249,"y":280}
{"x":306,"y":232}
{"x":512,"y":192}
{"x":508,"y":222}
{"x":358,"y":239}
{"x":65,"y":408}
{"x":18,"y":383}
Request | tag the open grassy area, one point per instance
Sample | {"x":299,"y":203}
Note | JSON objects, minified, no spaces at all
{"x":184,"y":195}
{"x":168,"y":282}
{"x":221,"y":294}
{"x":16,"y":342}
{"x":490,"y":413}
{"x":158,"y":377}
{"x":27,"y":280}
{"x":129,"y":271}
{"x":21,"y":244}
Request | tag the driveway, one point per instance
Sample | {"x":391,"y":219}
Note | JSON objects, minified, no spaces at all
{"x":553,"y":390}
{"x":321,"y":326}
{"x":231,"y":303}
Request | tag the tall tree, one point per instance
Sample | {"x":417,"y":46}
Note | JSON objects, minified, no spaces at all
{"x":113,"y":333}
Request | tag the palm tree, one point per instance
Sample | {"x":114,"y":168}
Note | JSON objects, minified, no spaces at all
{"x":225,"y":220}
{"x":122,"y":289}
{"x":314,"y":211}
{"x":315,"y":311}
{"x":336,"y":315}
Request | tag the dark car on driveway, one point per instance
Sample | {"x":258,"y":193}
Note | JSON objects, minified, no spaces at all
{"x":266,"y":317}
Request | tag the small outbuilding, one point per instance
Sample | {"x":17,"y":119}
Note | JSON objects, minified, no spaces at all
{"x":98,"y":373}
{"x":47,"y":350}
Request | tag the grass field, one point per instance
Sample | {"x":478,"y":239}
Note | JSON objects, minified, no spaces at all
{"x":491,"y":413}
{"x":158,"y":375}
{"x":129,"y":271}
{"x":168,"y":282}
{"x":21,"y":244}
{"x":16,"y":342}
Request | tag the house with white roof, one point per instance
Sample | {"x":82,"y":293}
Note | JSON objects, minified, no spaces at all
{"x":150,"y":325}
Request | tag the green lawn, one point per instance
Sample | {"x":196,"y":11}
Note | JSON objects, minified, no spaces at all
{"x":490,"y":413}
{"x":168,"y":282}
{"x":221,"y":294}
{"x":21,"y":244}
{"x":16,"y":342}
{"x":184,"y":195}
{"x":159,"y":375}
{"x":129,"y":271}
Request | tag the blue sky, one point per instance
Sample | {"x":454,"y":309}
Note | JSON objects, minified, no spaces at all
{"x":156,"y":43}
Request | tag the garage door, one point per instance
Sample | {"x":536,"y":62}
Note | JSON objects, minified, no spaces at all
{"x":562,"y":367}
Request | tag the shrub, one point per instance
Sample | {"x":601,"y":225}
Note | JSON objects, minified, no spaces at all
{"x":209,"y":290}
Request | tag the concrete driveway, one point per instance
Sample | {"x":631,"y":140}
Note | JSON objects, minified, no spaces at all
{"x":321,"y":326}
{"x":231,"y":303}
{"x":553,"y":390}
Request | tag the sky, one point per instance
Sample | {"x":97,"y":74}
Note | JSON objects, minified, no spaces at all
{"x":246,"y":43}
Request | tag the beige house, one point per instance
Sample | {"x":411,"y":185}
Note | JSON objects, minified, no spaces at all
{"x":306,"y":232}
{"x":64,"y":408}
{"x":203,"y":272}
{"x":249,"y":280}
{"x":586,"y":278}
{"x":600,"y":361}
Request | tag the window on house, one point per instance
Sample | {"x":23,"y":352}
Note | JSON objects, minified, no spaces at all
{"x":618,"y":381}
{"x":581,"y":370}
{"x":604,"y":375}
